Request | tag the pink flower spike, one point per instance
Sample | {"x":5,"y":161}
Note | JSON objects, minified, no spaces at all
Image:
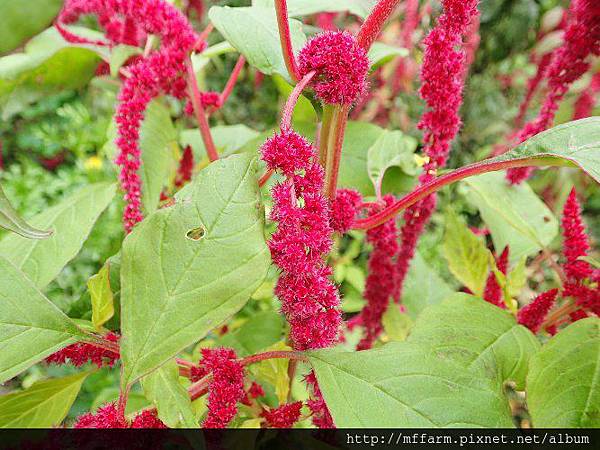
{"x":344,"y":209}
{"x":81,"y":353}
{"x":532,"y":315}
{"x":106,"y":416}
{"x":147,"y":419}
{"x":575,"y":240}
{"x":493,"y":292}
{"x":284,"y":416}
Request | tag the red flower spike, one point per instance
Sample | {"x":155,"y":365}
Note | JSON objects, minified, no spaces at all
{"x":493,"y":292}
{"x":256,"y":390}
{"x":381,"y":284}
{"x":284,"y":416}
{"x":210,"y":99}
{"x":575,"y":240}
{"x":584,"y":106}
{"x":321,"y":417}
{"x":532,"y":315}
{"x":225,"y":389}
{"x":186,"y":167}
{"x":569,"y":63}
{"x":147,"y":419}
{"x":341,"y":67}
{"x":585,"y":296}
{"x":344,"y":209}
{"x":106,"y":416}
{"x":81,"y":353}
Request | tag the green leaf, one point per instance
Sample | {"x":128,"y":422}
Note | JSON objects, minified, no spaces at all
{"x":229,"y":139}
{"x":44,"y":405}
{"x":187,"y":268}
{"x":263,"y":51}
{"x":591,"y":261}
{"x":477,"y":334}
{"x":275,"y":372}
{"x":119,"y":56}
{"x":21,"y":20}
{"x":396,"y":324}
{"x":563,"y":385}
{"x":257,"y":333}
{"x":406,"y":385}
{"x":380,"y":54}
{"x":102,"y":297}
{"x":48,"y":64}
{"x":517,"y":278}
{"x":10,"y":220}
{"x":71,"y":221}
{"x":173,"y":404}
{"x":514,"y":214}
{"x":466,"y":254}
{"x":391,"y":149}
{"x":423,"y":287}
{"x":31,"y":326}
{"x":299,"y":8}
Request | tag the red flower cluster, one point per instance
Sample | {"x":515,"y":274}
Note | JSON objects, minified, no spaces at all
{"x":584,"y":106}
{"x":344,"y":208}
{"x":226,"y":388}
{"x":493,"y":292}
{"x":255,"y":391}
{"x":582,"y":39}
{"x":108,"y":416}
{"x":309,"y":299}
{"x":284,"y":416}
{"x":321,"y":417}
{"x":444,"y":65}
{"x":341,"y":67}
{"x":80,"y":353}
{"x":162,"y":72}
{"x":186,"y":167}
{"x":210,"y":98}
{"x":381,"y":284}
{"x":532,"y":315}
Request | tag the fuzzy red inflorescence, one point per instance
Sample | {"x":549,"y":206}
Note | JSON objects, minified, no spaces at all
{"x":210,"y":99}
{"x":493,"y":292}
{"x":161,"y":72}
{"x":341,"y":67}
{"x":344,"y":208}
{"x":575,"y":240}
{"x":81,"y":353}
{"x":321,"y":417}
{"x":284,"y":416}
{"x":186,"y":167}
{"x":147,"y":419}
{"x":381,"y":284}
{"x":442,"y":82}
{"x":254,"y":391}
{"x":532,"y":315}
{"x":584,"y":106}
{"x":106,"y":416}
{"x":569,"y":63}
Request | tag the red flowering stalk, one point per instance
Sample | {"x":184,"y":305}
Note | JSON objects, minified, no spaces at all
{"x":532,"y":315}
{"x":381,"y":284}
{"x":585,"y":296}
{"x":226,"y":388}
{"x":81,"y":353}
{"x":285,"y":39}
{"x":582,"y":39}
{"x":532,"y":85}
{"x":186,"y":166}
{"x":326,"y":21}
{"x":321,"y":417}
{"x":147,"y":419}
{"x":442,"y":85}
{"x":575,"y":240}
{"x":344,"y":209}
{"x":584,"y":106}
{"x":341,"y":67}
{"x":493,"y":292}
{"x":284,"y":416}
{"x":108,"y":416}
{"x":372,"y":26}
{"x":255,"y":391}
{"x":409,"y":25}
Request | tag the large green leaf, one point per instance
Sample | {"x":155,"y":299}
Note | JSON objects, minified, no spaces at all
{"x":467,"y":255}
{"x":263,"y":50}
{"x":48,"y":64}
{"x":44,"y":405}
{"x":71,"y":222}
{"x":21,"y":20}
{"x":563,"y":385}
{"x":10,"y":220}
{"x":380,"y":54}
{"x":31,"y":327}
{"x":172,"y":401}
{"x":228,"y":139}
{"x":475,"y":333}
{"x":405,"y":385}
{"x":514,"y":214}
{"x":257,"y":333}
{"x":101,"y":296}
{"x":187,"y":268}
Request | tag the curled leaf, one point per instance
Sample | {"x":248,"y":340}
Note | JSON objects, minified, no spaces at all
{"x":10,"y":220}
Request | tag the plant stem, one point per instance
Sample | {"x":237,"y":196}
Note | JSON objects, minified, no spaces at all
{"x":288,"y":110}
{"x":558,"y":314}
{"x":334,"y":150}
{"x":436,"y":184}
{"x":557,"y":269}
{"x":265,"y":177}
{"x":324,"y":135}
{"x":202,"y":36}
{"x":200,"y":113}
{"x":372,"y":26}
{"x":232,"y":79}
{"x":285,"y":39}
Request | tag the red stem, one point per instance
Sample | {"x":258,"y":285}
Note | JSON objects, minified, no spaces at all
{"x":372,"y":26}
{"x":286,"y":117}
{"x":286,"y":39}
{"x":333,"y":165}
{"x":265,"y":177}
{"x":232,"y":79}
{"x":200,"y":113}
{"x":428,"y":188}
{"x":202,"y":36}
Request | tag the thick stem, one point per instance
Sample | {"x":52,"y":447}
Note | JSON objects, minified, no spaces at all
{"x":202,"y":36}
{"x":200,"y":113}
{"x":372,"y":26}
{"x":324,"y":134}
{"x":288,"y":110}
{"x":559,"y":314}
{"x":232,"y":80}
{"x":265,"y":177}
{"x":334,"y":151}
{"x":285,"y":39}
{"x":436,"y":184}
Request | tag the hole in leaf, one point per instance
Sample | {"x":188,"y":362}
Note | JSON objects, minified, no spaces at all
{"x":195,"y":234}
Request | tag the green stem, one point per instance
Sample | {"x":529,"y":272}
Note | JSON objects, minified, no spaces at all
{"x":324,"y":133}
{"x":334,"y":148}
